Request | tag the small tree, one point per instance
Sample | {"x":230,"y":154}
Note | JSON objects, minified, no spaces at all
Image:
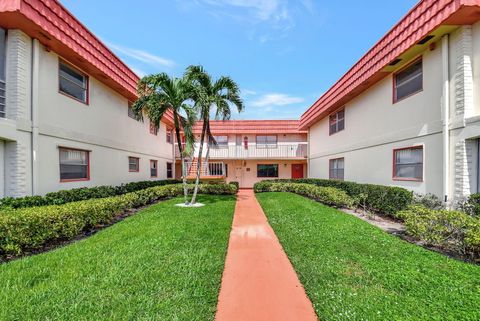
{"x":160,"y":93}
{"x":211,"y":97}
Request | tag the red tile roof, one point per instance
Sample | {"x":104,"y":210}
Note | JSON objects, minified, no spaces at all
{"x":58,"y":30}
{"x":252,"y":127}
{"x":425,"y":17}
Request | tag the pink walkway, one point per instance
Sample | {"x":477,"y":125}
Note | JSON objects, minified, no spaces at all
{"x":259,"y":282}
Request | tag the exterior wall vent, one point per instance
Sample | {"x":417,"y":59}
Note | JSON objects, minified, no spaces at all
{"x":425,"y":40}
{"x":394,"y":62}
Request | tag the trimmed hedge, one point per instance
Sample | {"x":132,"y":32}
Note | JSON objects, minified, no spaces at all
{"x":32,"y":228}
{"x":378,"y":198}
{"x":451,"y":230}
{"x":80,"y":194}
{"x":326,"y":195}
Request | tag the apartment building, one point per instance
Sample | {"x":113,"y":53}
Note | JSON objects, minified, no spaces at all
{"x":408,"y":112}
{"x":248,"y":151}
{"x":65,"y":120}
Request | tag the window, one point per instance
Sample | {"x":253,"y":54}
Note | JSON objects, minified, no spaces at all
{"x":337,"y":122}
{"x":268,"y":170}
{"x":169,"y":136}
{"x":408,"y":164}
{"x":133,"y":164}
{"x":74,"y":165}
{"x":153,"y":129}
{"x":408,"y":81}
{"x":131,"y":114}
{"x":73,"y":83}
{"x":153,"y":168}
{"x":267,"y":141}
{"x":337,"y":168}
{"x":169,"y":170}
{"x":3,"y":61}
{"x":222,"y":141}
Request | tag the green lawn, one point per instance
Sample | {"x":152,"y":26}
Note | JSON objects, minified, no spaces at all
{"x":354,"y":271}
{"x":164,"y":263}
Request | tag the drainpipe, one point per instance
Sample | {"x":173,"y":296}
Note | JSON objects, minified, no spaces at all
{"x":446,"y":117}
{"x":34,"y":113}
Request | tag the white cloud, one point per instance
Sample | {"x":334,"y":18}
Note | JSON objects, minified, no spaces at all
{"x":262,"y":10}
{"x":143,"y":56}
{"x":276,"y":99}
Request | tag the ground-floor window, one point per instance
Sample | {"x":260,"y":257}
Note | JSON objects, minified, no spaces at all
{"x":133,"y":164}
{"x":169,"y":170}
{"x":267,"y":170}
{"x":337,"y":168}
{"x":74,"y":164}
{"x":408,"y":163}
{"x":153,"y":168}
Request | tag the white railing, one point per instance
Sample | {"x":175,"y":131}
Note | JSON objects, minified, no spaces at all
{"x":212,"y":169}
{"x":240,"y":152}
{"x":2,"y":99}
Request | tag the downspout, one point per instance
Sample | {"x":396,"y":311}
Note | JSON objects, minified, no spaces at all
{"x":446,"y":117}
{"x":34,"y":113}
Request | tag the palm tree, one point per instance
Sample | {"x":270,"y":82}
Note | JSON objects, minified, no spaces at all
{"x":159,"y":93}
{"x":211,"y":97}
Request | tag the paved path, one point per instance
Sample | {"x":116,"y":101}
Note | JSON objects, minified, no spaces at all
{"x":259,"y":282}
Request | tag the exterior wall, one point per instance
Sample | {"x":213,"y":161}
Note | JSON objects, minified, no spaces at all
{"x":245,"y":172}
{"x":40,"y":119}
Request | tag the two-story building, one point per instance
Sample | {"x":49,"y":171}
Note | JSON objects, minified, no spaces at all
{"x":408,"y":112}
{"x":65,"y":120}
{"x":248,"y":151}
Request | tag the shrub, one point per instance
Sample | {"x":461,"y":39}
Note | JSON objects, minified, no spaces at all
{"x":451,"y":230}
{"x":237,"y":184}
{"x":430,"y":201}
{"x":31,"y":228}
{"x":326,"y":195}
{"x":470,"y":205}
{"x":79,"y":194}
{"x":378,"y":198}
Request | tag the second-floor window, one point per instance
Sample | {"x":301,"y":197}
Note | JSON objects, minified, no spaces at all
{"x":133,"y":164}
{"x":267,"y":141}
{"x":169,"y":136}
{"x":222,"y":141}
{"x":408,"y":81}
{"x":73,"y":82}
{"x":337,"y":122}
{"x":130,"y":112}
{"x":153,"y":129}
{"x":3,"y":61}
{"x":337,"y":168}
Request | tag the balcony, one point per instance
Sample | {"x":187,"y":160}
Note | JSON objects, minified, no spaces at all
{"x":290,"y":151}
{"x":210,"y":171}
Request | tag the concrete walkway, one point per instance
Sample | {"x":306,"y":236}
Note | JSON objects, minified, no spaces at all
{"x":259,"y":282}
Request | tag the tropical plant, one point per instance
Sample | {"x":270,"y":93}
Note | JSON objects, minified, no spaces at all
{"x":211,"y":97}
{"x":159,"y":94}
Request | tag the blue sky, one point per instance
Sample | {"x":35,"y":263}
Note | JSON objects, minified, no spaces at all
{"x":283,"y":53}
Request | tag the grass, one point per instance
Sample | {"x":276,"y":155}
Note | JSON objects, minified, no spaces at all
{"x":354,"y":271}
{"x":164,"y":263}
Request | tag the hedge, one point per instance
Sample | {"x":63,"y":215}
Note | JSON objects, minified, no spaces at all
{"x":377,"y":198}
{"x":451,"y":230}
{"x":326,"y":195}
{"x":28,"y":229}
{"x":80,"y":194}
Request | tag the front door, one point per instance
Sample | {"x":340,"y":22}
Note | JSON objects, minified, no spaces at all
{"x":239,"y":174}
{"x":297,"y":171}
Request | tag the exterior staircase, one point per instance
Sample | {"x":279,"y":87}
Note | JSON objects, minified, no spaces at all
{"x":210,"y":171}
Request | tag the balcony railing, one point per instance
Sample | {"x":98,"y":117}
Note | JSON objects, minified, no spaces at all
{"x":291,"y":151}
{"x":2,"y":99}
{"x":212,"y":169}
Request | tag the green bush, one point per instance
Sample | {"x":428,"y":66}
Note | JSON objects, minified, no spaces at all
{"x":378,"y":198}
{"x":31,"y":228}
{"x":326,"y":195}
{"x":237,"y":184}
{"x":470,"y":205}
{"x":79,"y":194}
{"x":451,"y":230}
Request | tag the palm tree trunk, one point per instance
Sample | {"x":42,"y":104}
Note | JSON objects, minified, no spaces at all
{"x":199,"y":163}
{"x":182,"y":159}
